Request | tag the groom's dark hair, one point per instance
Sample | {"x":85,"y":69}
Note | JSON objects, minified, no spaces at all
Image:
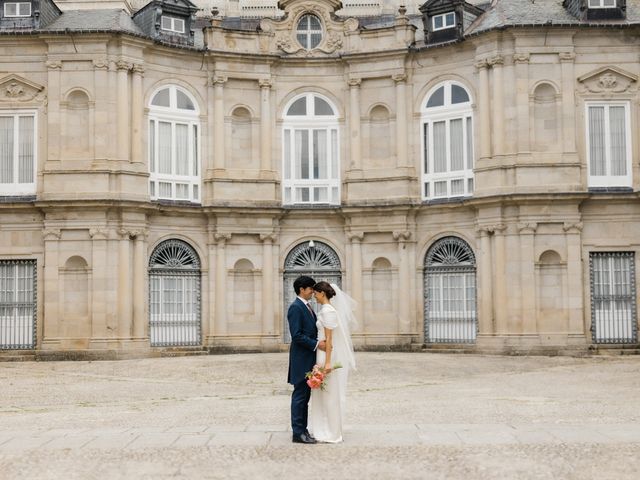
{"x":303,"y":282}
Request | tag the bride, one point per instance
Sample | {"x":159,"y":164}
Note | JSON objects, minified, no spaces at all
{"x":328,"y":405}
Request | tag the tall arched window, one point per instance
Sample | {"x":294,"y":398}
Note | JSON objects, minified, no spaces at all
{"x":311,"y":152}
{"x":447,"y":141}
{"x":174,"y":146}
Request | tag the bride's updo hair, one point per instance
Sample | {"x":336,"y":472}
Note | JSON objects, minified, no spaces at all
{"x":325,"y":288}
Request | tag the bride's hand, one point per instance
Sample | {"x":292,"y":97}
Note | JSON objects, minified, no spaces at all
{"x":327,"y":369}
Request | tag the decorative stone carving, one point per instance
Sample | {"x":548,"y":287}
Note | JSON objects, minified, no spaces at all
{"x":399,"y":77}
{"x":521,"y":57}
{"x":99,"y":233}
{"x":267,"y":237}
{"x":54,"y":64}
{"x":357,"y":237}
{"x":572,"y":227}
{"x":122,"y":65}
{"x":496,"y":60}
{"x":14,"y":88}
{"x":51,"y":234}
{"x":608,"y":80}
{"x":527,"y":227}
{"x":401,"y":236}
{"x":101,"y":64}
{"x":265,"y":83}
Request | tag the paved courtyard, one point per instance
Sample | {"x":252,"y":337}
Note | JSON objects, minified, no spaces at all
{"x":410,"y":415}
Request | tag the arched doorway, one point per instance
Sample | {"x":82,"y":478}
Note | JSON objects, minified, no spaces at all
{"x":174,"y":295}
{"x":450,"y":292}
{"x":315,"y":259}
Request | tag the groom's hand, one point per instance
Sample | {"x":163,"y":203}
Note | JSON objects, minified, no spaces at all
{"x":322,"y":345}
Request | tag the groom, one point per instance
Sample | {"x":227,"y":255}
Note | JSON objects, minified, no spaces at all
{"x":302,"y":355}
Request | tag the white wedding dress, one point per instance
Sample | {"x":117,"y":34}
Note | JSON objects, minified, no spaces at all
{"x":327,"y":410}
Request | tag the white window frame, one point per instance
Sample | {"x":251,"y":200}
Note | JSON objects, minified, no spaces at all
{"x":15,"y":188}
{"x":448,"y":21}
{"x":18,"y":6}
{"x":175,"y":116}
{"x":308,"y":32}
{"x":173,"y":24}
{"x":292,"y":187}
{"x":609,"y":180}
{"x":447,"y":113}
{"x":601,"y":4}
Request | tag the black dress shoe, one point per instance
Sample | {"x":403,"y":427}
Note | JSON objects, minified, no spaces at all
{"x":310,"y":436}
{"x":304,"y":438}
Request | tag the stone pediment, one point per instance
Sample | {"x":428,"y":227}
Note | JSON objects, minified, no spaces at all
{"x":609,"y":80}
{"x":14,"y":88}
{"x":334,"y":28}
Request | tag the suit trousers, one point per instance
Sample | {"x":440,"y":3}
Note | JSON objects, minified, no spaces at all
{"x":300,"y":407}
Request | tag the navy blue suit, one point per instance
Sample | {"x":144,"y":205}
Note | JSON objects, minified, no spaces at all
{"x":302,"y":358}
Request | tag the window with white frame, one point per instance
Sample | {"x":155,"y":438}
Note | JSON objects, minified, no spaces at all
{"x":609,"y":144}
{"x":17,"y":153}
{"x":17,"y":9}
{"x":172,"y":24}
{"x":602,"y":3}
{"x":443,"y":21}
{"x":311,"y":160}
{"x":309,"y":31}
{"x":447,"y":142}
{"x":174,"y":146}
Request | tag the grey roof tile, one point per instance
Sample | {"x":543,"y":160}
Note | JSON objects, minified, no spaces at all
{"x":78,"y":20}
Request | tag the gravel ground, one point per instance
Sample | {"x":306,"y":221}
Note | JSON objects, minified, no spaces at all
{"x":87,"y":407}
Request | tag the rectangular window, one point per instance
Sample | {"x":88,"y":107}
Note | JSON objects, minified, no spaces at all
{"x":17,"y":304}
{"x":444,"y":20}
{"x":609,"y":144}
{"x":17,"y":9}
{"x":310,"y":168}
{"x":172,"y":24}
{"x":602,"y":3}
{"x":613,"y":297}
{"x":17,"y":153}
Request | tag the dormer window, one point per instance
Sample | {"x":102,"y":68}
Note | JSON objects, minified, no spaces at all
{"x":17,"y":9}
{"x":172,"y":24}
{"x":443,"y":21}
{"x":309,"y":31}
{"x":602,"y":3}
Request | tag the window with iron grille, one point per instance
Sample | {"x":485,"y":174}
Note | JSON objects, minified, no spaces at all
{"x":309,"y":31}
{"x":613,"y":297}
{"x":17,"y":153}
{"x":17,"y":304}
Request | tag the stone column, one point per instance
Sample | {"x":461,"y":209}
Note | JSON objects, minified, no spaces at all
{"x":140,"y":299}
{"x":212,"y":278}
{"x":528,"y":278}
{"x":484,"y":106}
{"x":102,"y":142}
{"x":124,"y":285}
{"x":404,"y":282}
{"x":218,"y":123}
{"x":137,"y":109}
{"x":51,"y":289}
{"x":485,"y":290}
{"x":356,"y":268}
{"x":123,"y":108}
{"x":499,"y":280}
{"x":498,"y":105}
{"x":573,"y":232}
{"x":99,"y":261}
{"x":265,"y":124}
{"x":401,"y":120}
{"x":568,"y":102}
{"x":268,"y":288}
{"x":522,"y":101}
{"x":221,"y":284}
{"x":53,"y":109}
{"x":355,"y":138}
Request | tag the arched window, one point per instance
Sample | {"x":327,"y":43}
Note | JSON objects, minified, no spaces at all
{"x":174,"y":146}
{"x":450,"y":292}
{"x":309,"y":31}
{"x":447,"y":141}
{"x":311,"y":152}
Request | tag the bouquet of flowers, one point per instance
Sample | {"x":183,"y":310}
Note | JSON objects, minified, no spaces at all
{"x":315,"y":378}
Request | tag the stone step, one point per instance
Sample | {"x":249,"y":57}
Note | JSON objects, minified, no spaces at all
{"x":17,"y":356}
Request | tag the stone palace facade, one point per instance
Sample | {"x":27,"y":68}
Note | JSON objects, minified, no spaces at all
{"x":467,"y":171}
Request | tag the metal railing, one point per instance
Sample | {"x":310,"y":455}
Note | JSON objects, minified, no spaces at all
{"x":18,"y":304}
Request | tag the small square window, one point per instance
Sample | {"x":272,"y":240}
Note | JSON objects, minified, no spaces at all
{"x":172,"y":24}
{"x":443,"y":21}
{"x":17,"y":9}
{"x":602,"y":3}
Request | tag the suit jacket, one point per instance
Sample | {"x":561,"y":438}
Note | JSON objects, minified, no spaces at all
{"x":304,"y":338}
